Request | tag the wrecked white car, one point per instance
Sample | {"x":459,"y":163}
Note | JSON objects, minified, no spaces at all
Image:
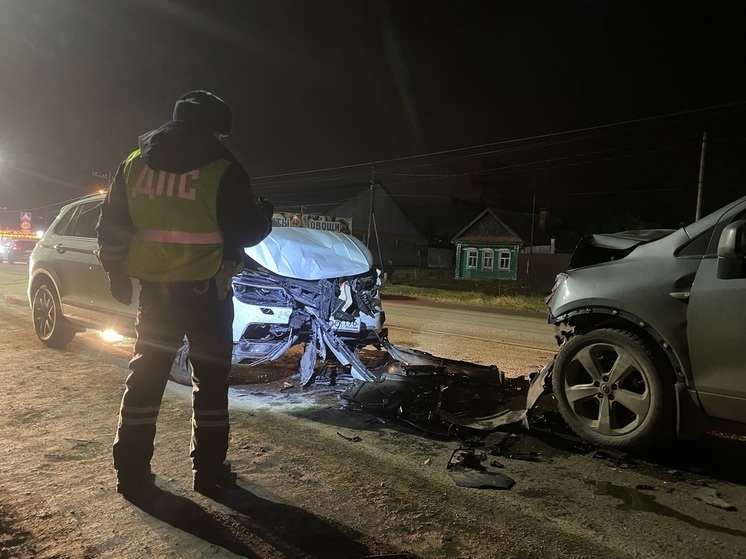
{"x":298,"y":286}
{"x":304,"y":286}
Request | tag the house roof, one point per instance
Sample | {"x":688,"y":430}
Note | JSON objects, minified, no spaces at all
{"x":312,"y":198}
{"x":494,"y":226}
{"x":429,"y":216}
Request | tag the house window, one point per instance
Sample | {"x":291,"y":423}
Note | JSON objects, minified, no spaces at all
{"x":471,"y":258}
{"x":487,"y":258}
{"x":504,"y":260}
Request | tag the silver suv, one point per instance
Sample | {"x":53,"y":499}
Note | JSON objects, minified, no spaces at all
{"x":651,"y":326}
{"x":298,"y":286}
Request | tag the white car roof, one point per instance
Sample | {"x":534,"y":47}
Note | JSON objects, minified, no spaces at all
{"x":301,"y":253}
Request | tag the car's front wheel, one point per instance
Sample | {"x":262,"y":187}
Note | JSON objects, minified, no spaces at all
{"x":50,"y":326}
{"x":610,"y":391}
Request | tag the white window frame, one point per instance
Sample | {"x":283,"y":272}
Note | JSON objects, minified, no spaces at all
{"x":488,"y":253}
{"x":500,"y":265}
{"x":472,"y":253}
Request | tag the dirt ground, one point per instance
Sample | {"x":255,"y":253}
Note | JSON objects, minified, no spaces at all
{"x":317,"y":480}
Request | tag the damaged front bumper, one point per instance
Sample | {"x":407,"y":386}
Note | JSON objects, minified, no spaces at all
{"x":438,"y":395}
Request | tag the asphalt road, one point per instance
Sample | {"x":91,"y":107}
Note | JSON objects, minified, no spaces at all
{"x":517,"y":342}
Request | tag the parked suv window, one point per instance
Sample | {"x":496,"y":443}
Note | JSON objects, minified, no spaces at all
{"x":64,"y":221}
{"x":86,"y":220}
{"x":81,"y":221}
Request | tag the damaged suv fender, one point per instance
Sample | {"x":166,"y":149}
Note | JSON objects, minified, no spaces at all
{"x":689,"y":418}
{"x":644,"y":351}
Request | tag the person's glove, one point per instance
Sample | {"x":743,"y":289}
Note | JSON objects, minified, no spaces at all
{"x":120,"y":287}
{"x":224,"y":278}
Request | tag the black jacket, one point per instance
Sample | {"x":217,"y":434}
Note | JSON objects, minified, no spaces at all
{"x":244,"y":220}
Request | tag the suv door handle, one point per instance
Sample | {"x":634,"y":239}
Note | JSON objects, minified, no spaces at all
{"x":680,"y":295}
{"x":60,"y":248}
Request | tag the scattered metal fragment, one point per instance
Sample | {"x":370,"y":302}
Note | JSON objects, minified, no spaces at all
{"x":618,"y":458}
{"x":540,"y":384}
{"x":500,"y":419}
{"x":466,"y":470}
{"x":498,"y":438}
{"x":437,"y":395}
{"x":711,"y":496}
{"x":354,"y":439}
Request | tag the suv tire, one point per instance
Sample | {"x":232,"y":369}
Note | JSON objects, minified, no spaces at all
{"x":49,"y":324}
{"x":610,"y":391}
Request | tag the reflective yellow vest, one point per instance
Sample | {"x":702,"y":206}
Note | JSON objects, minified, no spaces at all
{"x":177,"y":237}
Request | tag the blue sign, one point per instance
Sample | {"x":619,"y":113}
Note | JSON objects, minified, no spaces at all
{"x":25,"y":216}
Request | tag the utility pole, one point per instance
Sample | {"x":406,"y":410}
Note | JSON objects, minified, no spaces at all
{"x":372,"y":218}
{"x":531,"y":245}
{"x":701,"y":177}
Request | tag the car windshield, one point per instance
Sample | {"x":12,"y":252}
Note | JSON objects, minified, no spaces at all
{"x":25,"y":245}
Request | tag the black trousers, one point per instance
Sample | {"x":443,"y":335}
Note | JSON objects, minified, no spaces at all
{"x":166,"y":313}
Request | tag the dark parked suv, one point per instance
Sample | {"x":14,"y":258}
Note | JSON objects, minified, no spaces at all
{"x":16,"y":250}
{"x":652,"y":326}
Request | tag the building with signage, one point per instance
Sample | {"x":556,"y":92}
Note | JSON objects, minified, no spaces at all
{"x":313,"y":221}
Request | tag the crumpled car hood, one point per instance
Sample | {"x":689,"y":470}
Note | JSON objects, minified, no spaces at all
{"x":301,"y":253}
{"x":598,"y":248}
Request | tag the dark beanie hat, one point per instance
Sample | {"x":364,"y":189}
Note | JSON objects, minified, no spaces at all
{"x":204,"y":110}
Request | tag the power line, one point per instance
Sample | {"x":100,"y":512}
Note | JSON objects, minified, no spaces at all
{"x":502,"y":169}
{"x":515,"y":140}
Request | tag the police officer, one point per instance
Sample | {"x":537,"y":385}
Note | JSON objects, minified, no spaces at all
{"x":177,"y":217}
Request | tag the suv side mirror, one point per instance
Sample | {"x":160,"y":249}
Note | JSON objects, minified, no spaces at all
{"x":731,"y":258}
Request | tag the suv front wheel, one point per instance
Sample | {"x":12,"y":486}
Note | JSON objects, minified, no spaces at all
{"x":610,"y":392}
{"x":50,"y":326}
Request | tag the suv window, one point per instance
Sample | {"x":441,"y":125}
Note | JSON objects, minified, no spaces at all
{"x":86,"y":220}
{"x":80,"y":221}
{"x":64,"y":221}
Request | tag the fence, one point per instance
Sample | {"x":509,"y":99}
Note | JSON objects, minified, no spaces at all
{"x":539,"y":270}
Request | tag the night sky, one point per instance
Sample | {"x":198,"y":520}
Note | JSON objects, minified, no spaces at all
{"x":562,"y":105}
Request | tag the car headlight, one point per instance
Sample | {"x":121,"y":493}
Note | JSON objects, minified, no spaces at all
{"x":558,"y":281}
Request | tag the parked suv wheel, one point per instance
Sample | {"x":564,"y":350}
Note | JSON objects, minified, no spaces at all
{"x":609,"y":390}
{"x":50,"y":326}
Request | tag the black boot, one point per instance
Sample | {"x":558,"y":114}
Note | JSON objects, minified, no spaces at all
{"x":135,"y":486}
{"x":213,"y":481}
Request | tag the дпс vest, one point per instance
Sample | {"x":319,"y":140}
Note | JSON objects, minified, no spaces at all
{"x":177,"y":235}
